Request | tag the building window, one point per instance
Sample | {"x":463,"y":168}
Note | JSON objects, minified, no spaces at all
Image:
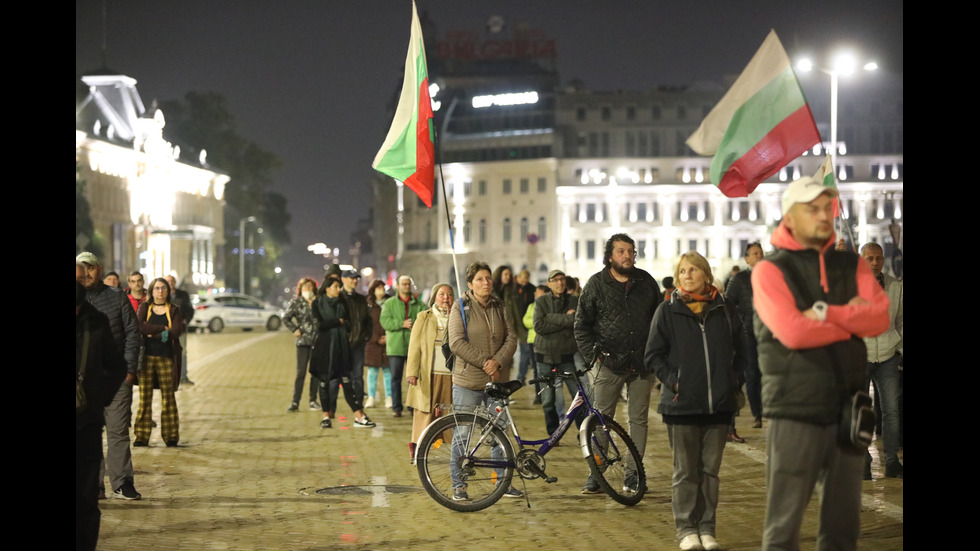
{"x":525,"y":229}
{"x":525,"y":185}
{"x":590,"y":249}
{"x":641,"y":248}
{"x":630,"y":143}
{"x":681,"y":112}
{"x":467,"y":188}
{"x":506,"y":230}
{"x":606,"y":113}
{"x":466,"y":231}
{"x":605,"y":144}
{"x":481,"y":187}
{"x":577,"y":251}
{"x":631,"y":113}
{"x":543,"y":184}
{"x":542,"y":229}
{"x":580,"y":114}
{"x":483,"y":231}
{"x":655,"y":112}
{"x":507,"y":186}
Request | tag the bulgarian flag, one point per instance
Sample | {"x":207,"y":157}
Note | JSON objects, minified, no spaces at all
{"x":759,"y":126}
{"x":407,"y":154}
{"x":825,"y":175}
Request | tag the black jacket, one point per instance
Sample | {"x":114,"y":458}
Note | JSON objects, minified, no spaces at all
{"x":616,"y":318}
{"x":553,"y":327}
{"x":739,"y":294}
{"x":105,"y":368}
{"x":360,"y":321}
{"x":705,"y":358}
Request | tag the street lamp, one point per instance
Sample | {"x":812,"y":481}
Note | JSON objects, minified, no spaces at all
{"x":843,"y":64}
{"x":241,"y":251}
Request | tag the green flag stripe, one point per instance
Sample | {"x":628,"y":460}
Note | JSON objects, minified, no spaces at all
{"x":755,"y":118}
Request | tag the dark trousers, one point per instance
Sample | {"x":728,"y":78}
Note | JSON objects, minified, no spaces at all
{"x":397,"y":364}
{"x":88,"y":455}
{"x":302,"y":366}
{"x":352,"y":382}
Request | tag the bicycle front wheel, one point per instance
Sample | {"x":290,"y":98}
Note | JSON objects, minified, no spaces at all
{"x":465,"y":462}
{"x":614,"y":461}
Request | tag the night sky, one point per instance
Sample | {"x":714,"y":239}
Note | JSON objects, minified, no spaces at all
{"x":310,"y":80}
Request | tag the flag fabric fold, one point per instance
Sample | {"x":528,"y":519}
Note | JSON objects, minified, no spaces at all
{"x":408,"y":154}
{"x":761,"y":124}
{"x":825,"y":175}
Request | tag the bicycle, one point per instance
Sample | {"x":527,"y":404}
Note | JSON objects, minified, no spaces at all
{"x":472,"y":447}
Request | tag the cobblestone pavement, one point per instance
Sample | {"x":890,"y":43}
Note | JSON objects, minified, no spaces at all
{"x":249,"y":475}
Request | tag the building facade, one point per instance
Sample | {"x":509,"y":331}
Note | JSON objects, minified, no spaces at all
{"x":152,"y":210}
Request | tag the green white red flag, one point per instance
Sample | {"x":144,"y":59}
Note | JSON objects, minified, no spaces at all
{"x":825,"y":175}
{"x":408,"y":154}
{"x":761,"y":124}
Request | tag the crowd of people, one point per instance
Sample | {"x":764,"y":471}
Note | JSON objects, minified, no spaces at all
{"x":793,"y":337}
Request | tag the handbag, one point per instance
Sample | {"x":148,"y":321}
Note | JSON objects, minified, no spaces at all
{"x":857,"y":424}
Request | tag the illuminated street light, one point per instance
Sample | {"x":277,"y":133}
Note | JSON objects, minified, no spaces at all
{"x":844,"y":64}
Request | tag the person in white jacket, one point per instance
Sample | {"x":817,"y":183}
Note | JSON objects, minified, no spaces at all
{"x":884,"y":359}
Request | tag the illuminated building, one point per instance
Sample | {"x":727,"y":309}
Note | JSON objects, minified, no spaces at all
{"x":153,"y":210}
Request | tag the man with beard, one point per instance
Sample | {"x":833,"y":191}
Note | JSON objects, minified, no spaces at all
{"x":118,"y":414}
{"x":612,"y":321}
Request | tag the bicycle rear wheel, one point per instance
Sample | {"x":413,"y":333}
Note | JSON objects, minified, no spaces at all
{"x":448,"y":457}
{"x":614,"y":461}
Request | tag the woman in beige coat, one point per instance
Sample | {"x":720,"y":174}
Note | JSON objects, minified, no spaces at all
{"x":429,"y":380}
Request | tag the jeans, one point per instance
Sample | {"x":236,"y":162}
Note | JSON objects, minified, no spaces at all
{"x":527,"y":360}
{"x":552,"y":399}
{"x":372,"y":384}
{"x":397,"y":364}
{"x":462,"y":399}
{"x":885,"y":376}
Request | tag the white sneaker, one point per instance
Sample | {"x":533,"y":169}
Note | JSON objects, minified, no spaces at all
{"x":369,"y":403}
{"x":388,"y":402}
{"x":691,"y":542}
{"x":709,"y":543}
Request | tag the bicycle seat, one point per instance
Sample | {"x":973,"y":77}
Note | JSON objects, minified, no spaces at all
{"x":500,"y":391}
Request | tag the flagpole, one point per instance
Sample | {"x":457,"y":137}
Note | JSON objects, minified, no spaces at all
{"x":449,"y":221}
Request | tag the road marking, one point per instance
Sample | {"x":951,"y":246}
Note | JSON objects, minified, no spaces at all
{"x":215,"y":356}
{"x":379,"y":494}
{"x":869,"y":501}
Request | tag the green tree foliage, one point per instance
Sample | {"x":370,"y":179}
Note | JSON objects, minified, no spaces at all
{"x":85,"y":238}
{"x":204,"y":121}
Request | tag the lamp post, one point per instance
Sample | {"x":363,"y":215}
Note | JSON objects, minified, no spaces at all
{"x":843,"y":64}
{"x":241,"y":250}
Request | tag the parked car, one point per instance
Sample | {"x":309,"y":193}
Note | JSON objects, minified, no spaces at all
{"x":215,"y":312}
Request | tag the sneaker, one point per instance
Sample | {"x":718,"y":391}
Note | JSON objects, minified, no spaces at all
{"x":895,"y":472}
{"x":171,"y":443}
{"x":186,"y":381}
{"x":709,"y":543}
{"x":758,"y":423}
{"x":591,"y":486}
{"x":388,"y":402}
{"x":459,"y":494}
{"x":325,"y":424}
{"x":369,"y":403}
{"x":126,"y":491}
{"x":691,"y":542}
{"x":734,"y":437}
{"x":293,"y":407}
{"x":513,"y":492}
{"x":314,"y":405}
{"x":632,"y":483}
{"x":364,"y":422}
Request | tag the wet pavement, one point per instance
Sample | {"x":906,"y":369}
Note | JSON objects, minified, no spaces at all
{"x":249,"y":475}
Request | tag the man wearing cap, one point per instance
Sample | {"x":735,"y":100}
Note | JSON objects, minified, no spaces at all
{"x":118,"y":414}
{"x":554,"y":341}
{"x":360,"y":332}
{"x":813,"y":304}
{"x":612,"y":321}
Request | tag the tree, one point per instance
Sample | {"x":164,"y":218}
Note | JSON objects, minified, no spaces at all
{"x":204,"y":121}
{"x":85,"y":237}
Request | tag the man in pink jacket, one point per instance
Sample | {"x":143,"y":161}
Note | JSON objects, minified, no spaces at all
{"x":813,"y":305}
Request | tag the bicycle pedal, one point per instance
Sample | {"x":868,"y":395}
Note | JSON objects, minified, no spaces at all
{"x":551,"y":479}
